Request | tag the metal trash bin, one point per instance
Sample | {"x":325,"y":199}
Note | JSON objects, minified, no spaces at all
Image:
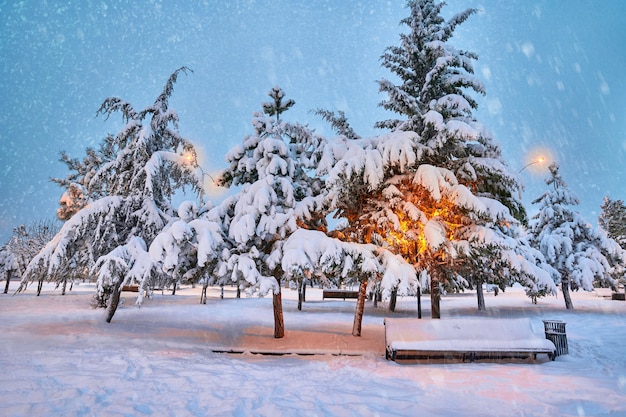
{"x":555,"y":332}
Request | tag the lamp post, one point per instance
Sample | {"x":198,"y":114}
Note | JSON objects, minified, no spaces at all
{"x":536,"y":161}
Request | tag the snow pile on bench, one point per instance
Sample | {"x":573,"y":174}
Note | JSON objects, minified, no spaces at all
{"x":409,"y":338}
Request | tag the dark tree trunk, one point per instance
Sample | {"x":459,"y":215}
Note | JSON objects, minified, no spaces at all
{"x":174,"y":288}
{"x":203,"y":294}
{"x":115,"y":301}
{"x":376,"y":298}
{"x":566,"y":295}
{"x":360,"y":307}
{"x":300,"y":294}
{"x":304,"y":291}
{"x":238,"y":292}
{"x":6,"y":286}
{"x":392,"y":301}
{"x":419,"y":302}
{"x":39,"y":286}
{"x":279,"y":323}
{"x":435,"y":296}
{"x":64,"y":286}
{"x":481,"y":296}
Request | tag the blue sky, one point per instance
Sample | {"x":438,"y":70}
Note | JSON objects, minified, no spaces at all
{"x":553,"y":70}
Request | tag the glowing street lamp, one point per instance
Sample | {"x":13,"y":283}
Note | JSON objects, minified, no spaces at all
{"x":192,"y":158}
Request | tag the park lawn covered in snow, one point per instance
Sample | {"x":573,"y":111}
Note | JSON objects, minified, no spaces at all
{"x":59,"y":357}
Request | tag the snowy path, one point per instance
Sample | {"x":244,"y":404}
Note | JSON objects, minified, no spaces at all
{"x":59,"y":357}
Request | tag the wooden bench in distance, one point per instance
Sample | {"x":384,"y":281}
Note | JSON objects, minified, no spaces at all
{"x":343,"y":294}
{"x":131,"y":288}
{"x":464,"y":338}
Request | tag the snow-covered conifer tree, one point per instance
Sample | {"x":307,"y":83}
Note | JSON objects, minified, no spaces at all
{"x":129,"y":182}
{"x":436,"y":189}
{"x":613,"y":220}
{"x":582,"y":255}
{"x":277,"y":196}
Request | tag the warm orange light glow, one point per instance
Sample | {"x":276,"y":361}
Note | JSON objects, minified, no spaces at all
{"x":409,"y":239}
{"x":537,"y":159}
{"x":189,"y":157}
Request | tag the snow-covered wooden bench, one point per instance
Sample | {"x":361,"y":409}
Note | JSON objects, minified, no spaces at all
{"x":339,"y":294}
{"x":464,"y":338}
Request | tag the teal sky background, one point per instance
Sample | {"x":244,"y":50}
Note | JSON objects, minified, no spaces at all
{"x":553,"y":69}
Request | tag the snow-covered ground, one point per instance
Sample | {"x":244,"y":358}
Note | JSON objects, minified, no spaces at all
{"x":59,"y":357}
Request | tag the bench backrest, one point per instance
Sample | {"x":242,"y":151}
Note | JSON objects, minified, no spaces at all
{"x":409,"y":329}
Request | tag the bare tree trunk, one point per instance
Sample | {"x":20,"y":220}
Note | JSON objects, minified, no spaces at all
{"x":435,"y":295}
{"x":115,"y":300}
{"x":481,"y":296}
{"x":238,"y":291}
{"x":419,"y":302}
{"x":279,"y":323}
{"x":64,"y":286}
{"x":392,"y":301}
{"x":377,"y":297}
{"x":304,"y":291}
{"x":39,"y":286}
{"x":566,"y":295}
{"x":203,"y":294}
{"x":360,"y":307}
{"x":300,"y":297}
{"x":6,"y":286}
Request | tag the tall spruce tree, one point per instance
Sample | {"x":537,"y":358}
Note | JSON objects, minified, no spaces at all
{"x":129,"y":182}
{"x":436,"y":189}
{"x":277,"y":196}
{"x":582,"y":255}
